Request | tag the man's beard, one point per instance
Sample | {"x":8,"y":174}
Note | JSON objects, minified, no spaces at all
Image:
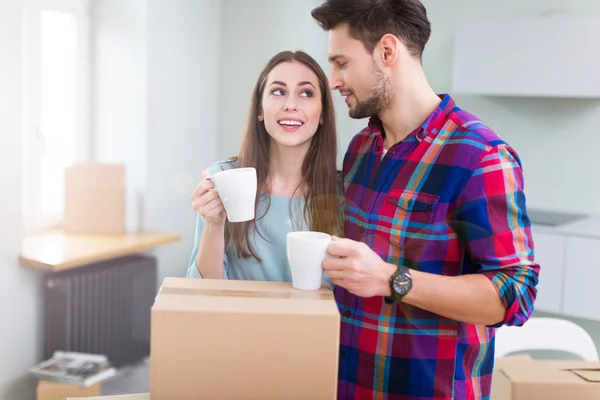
{"x":381,"y":97}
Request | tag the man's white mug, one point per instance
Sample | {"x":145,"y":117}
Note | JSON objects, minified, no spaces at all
{"x":237,"y":190}
{"x":306,"y":251}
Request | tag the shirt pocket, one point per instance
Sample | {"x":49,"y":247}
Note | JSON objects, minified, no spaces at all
{"x":411,"y":215}
{"x":408,"y":201}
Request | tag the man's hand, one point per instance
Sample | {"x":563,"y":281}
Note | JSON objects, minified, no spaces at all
{"x":358,"y":269}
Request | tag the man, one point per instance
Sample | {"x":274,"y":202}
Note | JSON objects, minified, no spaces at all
{"x":438,"y":248}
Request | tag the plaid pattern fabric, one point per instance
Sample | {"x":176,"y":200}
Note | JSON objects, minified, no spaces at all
{"x":446,"y":200}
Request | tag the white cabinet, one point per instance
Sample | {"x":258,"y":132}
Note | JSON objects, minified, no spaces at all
{"x":552,"y":56}
{"x":550,"y":254}
{"x":582,"y":292}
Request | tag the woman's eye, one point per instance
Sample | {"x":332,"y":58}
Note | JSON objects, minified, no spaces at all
{"x":307,"y":93}
{"x":277,"y":92}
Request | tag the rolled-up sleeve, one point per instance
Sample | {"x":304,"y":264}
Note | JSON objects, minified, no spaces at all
{"x":491,"y":220}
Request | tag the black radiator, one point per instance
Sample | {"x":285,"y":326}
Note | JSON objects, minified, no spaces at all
{"x":102,"y":308}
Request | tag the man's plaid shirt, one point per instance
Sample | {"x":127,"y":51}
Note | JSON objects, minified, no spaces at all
{"x":447,"y":200}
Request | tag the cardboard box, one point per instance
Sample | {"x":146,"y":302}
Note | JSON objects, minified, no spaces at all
{"x":522,"y":378}
{"x":50,"y":390}
{"x":95,"y":199}
{"x":139,"y":396}
{"x":227,"y":339}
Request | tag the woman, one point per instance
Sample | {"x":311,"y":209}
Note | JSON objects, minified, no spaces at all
{"x":290,"y":139}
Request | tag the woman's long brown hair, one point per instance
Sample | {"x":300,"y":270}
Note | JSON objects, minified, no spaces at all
{"x":319,"y":171}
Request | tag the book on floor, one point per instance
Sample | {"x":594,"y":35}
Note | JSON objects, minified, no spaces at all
{"x":79,"y":369}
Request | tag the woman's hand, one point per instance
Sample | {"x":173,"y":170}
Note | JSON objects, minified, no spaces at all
{"x":206,"y":201}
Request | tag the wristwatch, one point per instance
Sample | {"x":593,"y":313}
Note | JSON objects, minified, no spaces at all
{"x":400,"y":283}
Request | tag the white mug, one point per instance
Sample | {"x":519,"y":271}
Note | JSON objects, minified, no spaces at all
{"x":306,"y":251}
{"x":237,"y":190}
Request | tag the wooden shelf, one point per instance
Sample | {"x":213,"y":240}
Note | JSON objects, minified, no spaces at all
{"x":56,"y":251}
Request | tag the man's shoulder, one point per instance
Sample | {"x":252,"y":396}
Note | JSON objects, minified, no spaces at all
{"x":467,"y":130}
{"x":467,"y":138}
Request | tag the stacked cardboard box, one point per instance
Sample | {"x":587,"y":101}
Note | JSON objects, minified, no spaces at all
{"x":225,"y":339}
{"x":51,"y":390}
{"x":95,"y":199}
{"x":522,"y":378}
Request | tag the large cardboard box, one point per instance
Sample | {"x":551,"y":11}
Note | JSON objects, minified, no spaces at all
{"x":227,"y":339}
{"x":138,"y":396}
{"x":522,"y":378}
{"x":95,"y":199}
{"x":50,"y":390}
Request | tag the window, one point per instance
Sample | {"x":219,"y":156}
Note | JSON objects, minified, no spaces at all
{"x":57,"y":104}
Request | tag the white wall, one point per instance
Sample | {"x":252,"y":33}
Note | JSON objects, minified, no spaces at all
{"x":183,"y":76}
{"x":155,"y":108}
{"x":19,"y":288}
{"x":120,"y":91}
{"x":553,"y":136}
{"x":251,"y":36}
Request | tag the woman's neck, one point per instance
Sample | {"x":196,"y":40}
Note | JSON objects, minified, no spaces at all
{"x":285,"y":170}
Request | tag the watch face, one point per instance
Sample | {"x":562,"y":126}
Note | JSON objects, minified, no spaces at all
{"x":402,"y":283}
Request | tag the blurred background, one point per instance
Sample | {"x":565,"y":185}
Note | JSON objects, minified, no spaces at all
{"x":162,"y":88}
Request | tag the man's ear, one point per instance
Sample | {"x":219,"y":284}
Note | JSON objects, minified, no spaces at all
{"x":388,"y":47}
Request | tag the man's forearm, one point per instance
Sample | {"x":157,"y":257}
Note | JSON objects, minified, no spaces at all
{"x":466,"y":298}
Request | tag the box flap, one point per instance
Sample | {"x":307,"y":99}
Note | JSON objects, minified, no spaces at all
{"x":584,"y":371}
{"x":525,"y":370}
{"x":238,"y":288}
{"x":590,"y":375}
{"x":571,"y":364}
{"x":222,"y":295}
{"x":516,"y":367}
{"x":308,"y":295}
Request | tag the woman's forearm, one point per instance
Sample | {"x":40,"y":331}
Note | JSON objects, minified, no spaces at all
{"x":210,"y":258}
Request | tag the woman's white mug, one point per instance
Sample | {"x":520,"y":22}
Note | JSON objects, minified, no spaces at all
{"x":237,"y":190}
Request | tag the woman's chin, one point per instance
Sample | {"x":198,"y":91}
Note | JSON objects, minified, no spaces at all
{"x":291,"y":142}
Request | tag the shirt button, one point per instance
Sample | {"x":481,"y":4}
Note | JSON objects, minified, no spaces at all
{"x":347,"y":313}
{"x":361,"y":229}
{"x":342,"y":354}
{"x":378,"y":148}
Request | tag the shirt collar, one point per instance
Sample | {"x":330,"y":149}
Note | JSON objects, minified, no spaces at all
{"x":430,"y":125}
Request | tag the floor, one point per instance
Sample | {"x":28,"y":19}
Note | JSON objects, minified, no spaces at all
{"x":129,"y":380}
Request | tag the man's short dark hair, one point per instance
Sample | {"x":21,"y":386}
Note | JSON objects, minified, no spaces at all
{"x":369,"y":20}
